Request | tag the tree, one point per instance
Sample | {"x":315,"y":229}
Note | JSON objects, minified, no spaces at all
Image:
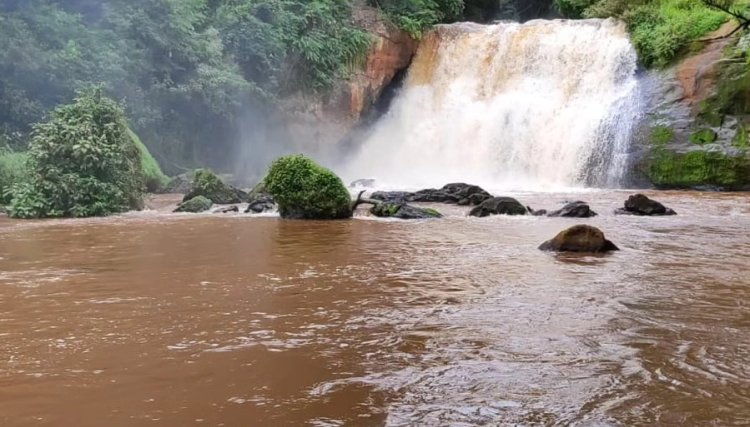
{"x":82,"y":162}
{"x":730,"y":7}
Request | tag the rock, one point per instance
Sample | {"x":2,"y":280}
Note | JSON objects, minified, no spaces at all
{"x":210,"y":186}
{"x":499,"y":206}
{"x":574,"y":210}
{"x":302,"y":189}
{"x":363,"y":183}
{"x":392,"y":196}
{"x":432,"y":195}
{"x":403,"y":211}
{"x":579,"y":238}
{"x":195,"y":205}
{"x":261,"y":203}
{"x":638,"y":204}
{"x":227,"y":209}
{"x":540,"y":212}
{"x":474,"y":194}
{"x":456,"y":193}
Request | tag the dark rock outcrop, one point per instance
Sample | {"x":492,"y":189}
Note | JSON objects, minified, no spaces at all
{"x":579,"y":238}
{"x":260,"y":203}
{"x":638,"y":204}
{"x":403,"y":211}
{"x":499,"y":206}
{"x":574,"y":210}
{"x":456,"y":193}
{"x":195,"y":205}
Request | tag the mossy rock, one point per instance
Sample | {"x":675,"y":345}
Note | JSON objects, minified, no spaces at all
{"x":704,"y":136}
{"x":195,"y":205}
{"x":303,"y":189}
{"x":699,"y":168}
{"x":403,"y":211}
{"x":662,"y":135}
{"x":210,"y":186}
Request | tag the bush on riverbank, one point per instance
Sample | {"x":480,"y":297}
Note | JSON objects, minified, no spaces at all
{"x":13,"y":171}
{"x":81,"y":163}
{"x":305,"y":190}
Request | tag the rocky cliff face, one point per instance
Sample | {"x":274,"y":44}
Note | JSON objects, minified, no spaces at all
{"x":320,"y":122}
{"x":696,"y":135}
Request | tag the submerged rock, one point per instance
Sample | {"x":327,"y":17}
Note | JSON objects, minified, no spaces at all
{"x":574,"y":210}
{"x":499,"y":206}
{"x":195,"y":205}
{"x":579,"y":238}
{"x":227,"y":209}
{"x":403,"y":211}
{"x":638,"y":204}
{"x":207,"y":184}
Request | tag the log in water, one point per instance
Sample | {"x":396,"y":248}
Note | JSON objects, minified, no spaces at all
{"x":169,"y":320}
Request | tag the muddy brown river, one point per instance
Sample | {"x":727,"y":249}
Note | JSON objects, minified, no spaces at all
{"x":153,"y":319}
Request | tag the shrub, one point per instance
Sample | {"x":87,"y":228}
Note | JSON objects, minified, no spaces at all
{"x":13,"y":171}
{"x":81,"y":163}
{"x":305,"y":190}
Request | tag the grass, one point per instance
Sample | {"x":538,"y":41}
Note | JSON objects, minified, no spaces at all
{"x":155,"y":178}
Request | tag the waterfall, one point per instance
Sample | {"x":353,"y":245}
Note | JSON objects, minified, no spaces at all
{"x":534,"y":106}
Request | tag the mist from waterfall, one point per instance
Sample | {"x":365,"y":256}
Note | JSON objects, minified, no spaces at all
{"x":543,"y":105}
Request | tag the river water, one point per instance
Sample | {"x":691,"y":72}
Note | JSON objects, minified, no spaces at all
{"x":176,"y":320}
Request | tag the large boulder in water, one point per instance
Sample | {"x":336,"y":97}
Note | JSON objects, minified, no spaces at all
{"x":210,"y":186}
{"x":467,"y":194}
{"x":303,"y":189}
{"x":403,"y":211}
{"x":638,"y":204}
{"x":392,"y":196}
{"x":195,"y":205}
{"x":574,"y":210}
{"x":499,"y":206}
{"x":579,"y":238}
{"x":259,"y":200}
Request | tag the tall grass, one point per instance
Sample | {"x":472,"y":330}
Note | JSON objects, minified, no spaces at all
{"x":155,"y":178}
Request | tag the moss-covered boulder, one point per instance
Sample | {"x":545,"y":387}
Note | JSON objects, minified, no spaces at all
{"x":195,"y":205}
{"x":499,"y":206}
{"x":403,"y":211}
{"x":303,"y":189}
{"x":699,"y":168}
{"x":153,"y":176}
{"x":210,"y":186}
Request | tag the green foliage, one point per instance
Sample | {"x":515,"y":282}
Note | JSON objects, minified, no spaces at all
{"x":662,"y":135}
{"x":195,"y":205}
{"x":207,"y":184}
{"x":415,"y":16}
{"x":155,"y":178}
{"x":741,"y":139}
{"x":673,"y":170}
{"x":81,"y":163}
{"x":703,"y":136}
{"x":305,"y":190}
{"x":13,"y":171}
{"x":660,"y":29}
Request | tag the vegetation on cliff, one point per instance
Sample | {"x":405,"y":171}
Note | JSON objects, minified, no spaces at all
{"x":660,"y":29}
{"x":305,"y":190}
{"x":82,"y":162}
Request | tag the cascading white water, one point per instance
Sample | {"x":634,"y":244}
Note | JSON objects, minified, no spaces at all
{"x":541,"y":105}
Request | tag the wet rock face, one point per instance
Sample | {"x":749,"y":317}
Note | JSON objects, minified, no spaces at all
{"x":260,"y":203}
{"x":580,"y":238}
{"x":209,"y":185}
{"x":638,"y":204}
{"x":574,"y":210}
{"x":499,"y":206}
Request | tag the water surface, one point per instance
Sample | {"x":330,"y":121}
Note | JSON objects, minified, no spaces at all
{"x":175,"y":320}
